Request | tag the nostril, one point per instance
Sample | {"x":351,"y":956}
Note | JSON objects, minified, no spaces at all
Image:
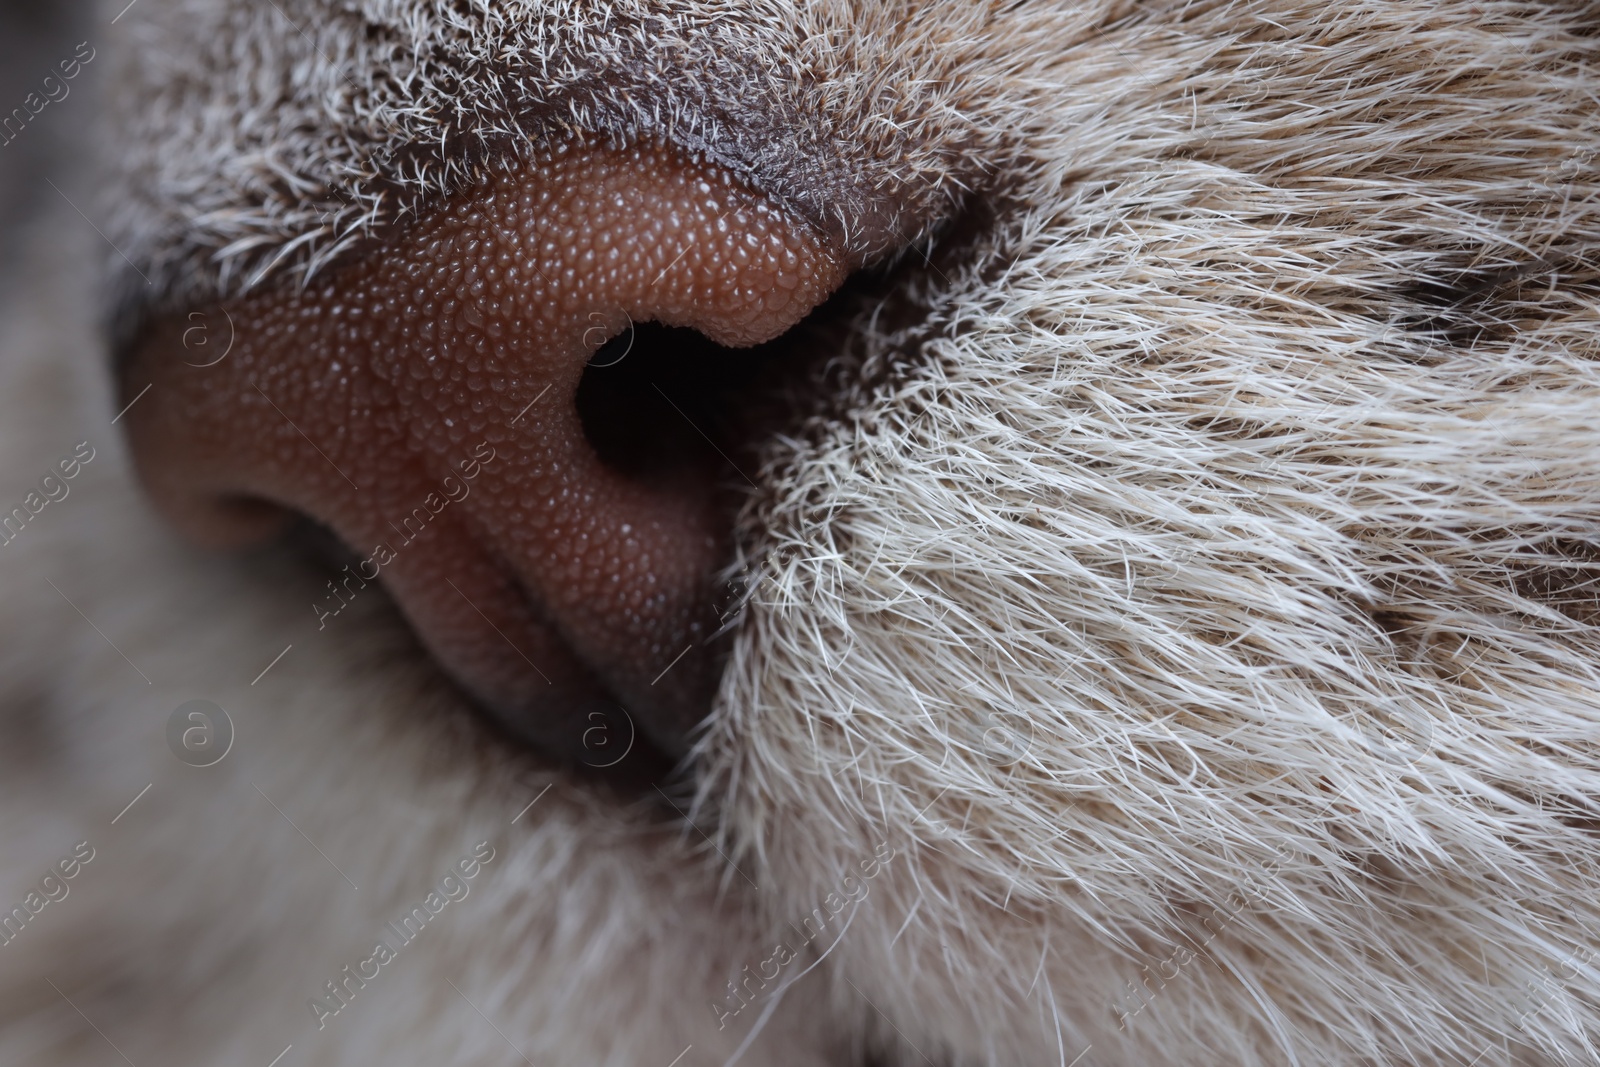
{"x":240,"y":518}
{"x":615,"y":350}
{"x":232,"y":520}
{"x":489,"y":411}
{"x":659,"y":403}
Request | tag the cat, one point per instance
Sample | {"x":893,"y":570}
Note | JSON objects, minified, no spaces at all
{"x":1139,"y":592}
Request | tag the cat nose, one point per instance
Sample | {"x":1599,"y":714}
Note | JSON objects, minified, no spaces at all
{"x":422,"y":402}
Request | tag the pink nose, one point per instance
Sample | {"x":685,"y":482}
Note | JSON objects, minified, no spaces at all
{"x":421,"y":402}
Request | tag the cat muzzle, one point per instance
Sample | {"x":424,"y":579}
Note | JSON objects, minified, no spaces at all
{"x":421,"y":402}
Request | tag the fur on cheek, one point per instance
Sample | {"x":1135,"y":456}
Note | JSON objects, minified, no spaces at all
{"x":1201,"y":601}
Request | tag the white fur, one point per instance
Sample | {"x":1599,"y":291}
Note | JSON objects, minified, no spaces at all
{"x":1093,"y":600}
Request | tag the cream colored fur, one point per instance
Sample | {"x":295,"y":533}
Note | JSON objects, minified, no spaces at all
{"x":1187,"y":572}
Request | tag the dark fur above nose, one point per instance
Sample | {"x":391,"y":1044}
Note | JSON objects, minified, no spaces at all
{"x":422,"y":404}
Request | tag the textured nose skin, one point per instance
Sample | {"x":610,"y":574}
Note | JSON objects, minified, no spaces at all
{"x":421,"y":403}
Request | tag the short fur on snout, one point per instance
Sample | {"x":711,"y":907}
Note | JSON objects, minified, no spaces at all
{"x":1177,"y":591}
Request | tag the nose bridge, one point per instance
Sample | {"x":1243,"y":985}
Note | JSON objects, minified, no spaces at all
{"x":422,"y":403}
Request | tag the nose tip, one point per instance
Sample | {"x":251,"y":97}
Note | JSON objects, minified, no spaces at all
{"x":422,"y":403}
